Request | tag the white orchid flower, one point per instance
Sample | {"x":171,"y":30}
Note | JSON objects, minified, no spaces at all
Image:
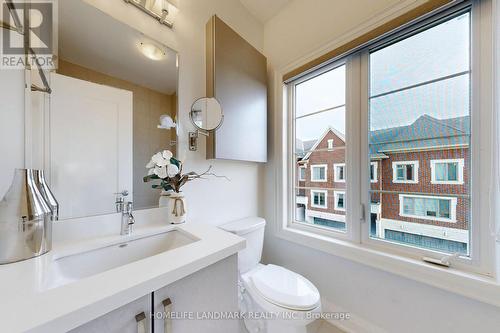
{"x":167,"y":154}
{"x":159,"y":160}
{"x":151,"y":164}
{"x":151,"y":171}
{"x":161,"y":171}
{"x":172,"y":170}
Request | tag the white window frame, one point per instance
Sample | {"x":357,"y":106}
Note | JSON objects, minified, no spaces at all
{"x":336,"y":174}
{"x":460,"y":171}
{"x":471,"y":277}
{"x":375,"y":172}
{"x":336,"y":198}
{"x":325,"y":192}
{"x":314,"y":166}
{"x":453,"y":208}
{"x":330,"y":144}
{"x":395,"y":165}
{"x":301,"y":167}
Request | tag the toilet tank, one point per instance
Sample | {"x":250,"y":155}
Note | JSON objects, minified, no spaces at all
{"x":252,"y":229}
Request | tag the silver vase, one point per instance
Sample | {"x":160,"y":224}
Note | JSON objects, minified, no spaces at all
{"x":25,"y":220}
{"x":47,"y":194}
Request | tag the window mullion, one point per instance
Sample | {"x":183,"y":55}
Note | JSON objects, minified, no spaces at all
{"x":353,"y":138}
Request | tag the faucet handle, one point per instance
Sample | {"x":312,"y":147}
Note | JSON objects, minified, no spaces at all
{"x":121,"y":194}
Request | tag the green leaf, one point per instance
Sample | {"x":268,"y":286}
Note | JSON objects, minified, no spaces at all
{"x":176,"y":162}
{"x":150,"y":177}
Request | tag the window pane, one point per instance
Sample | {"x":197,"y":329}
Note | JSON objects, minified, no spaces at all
{"x":321,"y":92}
{"x":439,"y":51}
{"x":444,"y":208}
{"x":409,"y":172}
{"x":452,"y":172}
{"x":320,"y":139}
{"x":340,"y":200}
{"x":431,"y":207}
{"x":440,"y":171}
{"x":426,"y":122}
{"x":409,"y":205}
{"x":401,"y":172}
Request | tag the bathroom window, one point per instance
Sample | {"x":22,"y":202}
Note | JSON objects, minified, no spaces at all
{"x":405,"y":145}
{"x":320,"y":141}
{"x":419,"y":118}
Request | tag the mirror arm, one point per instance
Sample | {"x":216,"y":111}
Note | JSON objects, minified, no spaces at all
{"x":202,"y":132}
{"x":193,"y":138}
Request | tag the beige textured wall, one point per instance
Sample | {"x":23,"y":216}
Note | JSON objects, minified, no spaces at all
{"x":149,"y":105}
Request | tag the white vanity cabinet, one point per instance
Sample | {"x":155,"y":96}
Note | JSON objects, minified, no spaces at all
{"x":122,"y":320}
{"x":209,"y":291}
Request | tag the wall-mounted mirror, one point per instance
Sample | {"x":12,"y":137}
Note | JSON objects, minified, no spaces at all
{"x":206,"y":114}
{"x":113,"y":106}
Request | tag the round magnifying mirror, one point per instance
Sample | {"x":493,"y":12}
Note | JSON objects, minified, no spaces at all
{"x":206,"y":114}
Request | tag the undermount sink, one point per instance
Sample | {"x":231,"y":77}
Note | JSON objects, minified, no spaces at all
{"x":74,"y":267}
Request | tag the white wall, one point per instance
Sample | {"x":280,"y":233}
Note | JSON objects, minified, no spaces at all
{"x":11,"y":125}
{"x":215,"y":200}
{"x":392,"y":303}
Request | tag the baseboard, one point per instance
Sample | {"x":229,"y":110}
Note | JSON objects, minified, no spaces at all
{"x":355,"y":324}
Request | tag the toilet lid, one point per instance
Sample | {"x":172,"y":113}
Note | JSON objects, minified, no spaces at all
{"x":285,"y":288}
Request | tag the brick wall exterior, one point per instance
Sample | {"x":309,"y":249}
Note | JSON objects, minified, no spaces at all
{"x":390,"y":202}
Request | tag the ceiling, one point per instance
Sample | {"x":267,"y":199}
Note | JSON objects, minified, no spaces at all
{"x":264,"y":10}
{"x":92,"y":39}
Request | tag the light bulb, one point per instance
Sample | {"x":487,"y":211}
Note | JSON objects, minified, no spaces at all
{"x":152,"y":51}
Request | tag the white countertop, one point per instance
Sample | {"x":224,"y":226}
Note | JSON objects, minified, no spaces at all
{"x":26,"y":305}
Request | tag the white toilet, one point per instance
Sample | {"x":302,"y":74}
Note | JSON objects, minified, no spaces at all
{"x":274,"y":299}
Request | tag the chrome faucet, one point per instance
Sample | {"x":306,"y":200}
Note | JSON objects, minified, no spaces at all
{"x":128,"y":219}
{"x":120,"y":200}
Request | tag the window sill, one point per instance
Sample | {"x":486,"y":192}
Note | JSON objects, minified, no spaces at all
{"x":474,"y":286}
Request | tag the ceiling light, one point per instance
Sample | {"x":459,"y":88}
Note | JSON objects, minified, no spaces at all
{"x":152,"y":51}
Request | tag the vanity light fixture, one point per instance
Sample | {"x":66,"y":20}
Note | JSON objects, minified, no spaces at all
{"x":152,"y":51}
{"x":161,"y":10}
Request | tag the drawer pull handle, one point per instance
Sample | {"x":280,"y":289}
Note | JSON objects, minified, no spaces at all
{"x":141,"y":322}
{"x":167,"y":322}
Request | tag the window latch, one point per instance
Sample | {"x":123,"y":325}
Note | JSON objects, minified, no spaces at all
{"x":445,"y":261}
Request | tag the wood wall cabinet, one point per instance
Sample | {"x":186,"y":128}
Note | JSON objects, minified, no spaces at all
{"x":237,"y":77}
{"x":210,"y":290}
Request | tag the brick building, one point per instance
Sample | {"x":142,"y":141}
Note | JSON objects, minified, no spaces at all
{"x":419,"y":177}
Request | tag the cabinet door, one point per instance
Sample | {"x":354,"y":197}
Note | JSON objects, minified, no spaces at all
{"x":122,"y":320}
{"x":237,"y":77}
{"x":212,"y":290}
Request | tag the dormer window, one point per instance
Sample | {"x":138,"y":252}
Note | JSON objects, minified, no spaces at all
{"x":330,"y":144}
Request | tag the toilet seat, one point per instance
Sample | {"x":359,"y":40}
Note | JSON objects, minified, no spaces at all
{"x":285,"y":288}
